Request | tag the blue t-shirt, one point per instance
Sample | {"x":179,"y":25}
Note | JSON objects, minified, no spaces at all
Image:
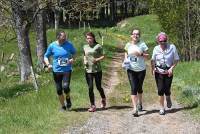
{"x":61,"y":54}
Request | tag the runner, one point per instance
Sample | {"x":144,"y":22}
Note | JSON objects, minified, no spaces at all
{"x":136,"y":52}
{"x":93,"y":54}
{"x":62,"y":52}
{"x":163,"y":61}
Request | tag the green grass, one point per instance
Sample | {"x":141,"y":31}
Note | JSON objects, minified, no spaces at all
{"x":187,"y":82}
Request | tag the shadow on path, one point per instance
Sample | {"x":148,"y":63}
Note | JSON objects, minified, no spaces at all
{"x":101,"y":109}
{"x":173,"y":110}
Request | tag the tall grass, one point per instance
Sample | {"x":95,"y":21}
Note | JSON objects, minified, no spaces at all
{"x":187,"y":82}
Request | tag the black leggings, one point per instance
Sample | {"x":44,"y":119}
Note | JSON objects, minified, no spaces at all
{"x":89,"y":78}
{"x":136,"y":80}
{"x":163,"y":82}
{"x":62,"y":81}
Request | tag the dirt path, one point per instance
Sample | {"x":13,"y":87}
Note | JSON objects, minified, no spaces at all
{"x":119,"y":120}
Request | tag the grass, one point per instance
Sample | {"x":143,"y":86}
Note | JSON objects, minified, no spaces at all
{"x":187,"y":84}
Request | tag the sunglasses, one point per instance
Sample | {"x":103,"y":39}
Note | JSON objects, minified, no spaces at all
{"x":163,"y":41}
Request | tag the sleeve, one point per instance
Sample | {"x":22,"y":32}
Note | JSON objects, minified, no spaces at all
{"x":176,"y":56}
{"x":48,"y":52}
{"x":145,"y":47}
{"x":126,"y":47}
{"x":154,"y":54}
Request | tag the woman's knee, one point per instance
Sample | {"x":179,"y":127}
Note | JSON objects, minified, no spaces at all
{"x":160,"y":92}
{"x":66,"y":87}
{"x":59,"y":92}
{"x":140,"y":91}
{"x":134,"y":92}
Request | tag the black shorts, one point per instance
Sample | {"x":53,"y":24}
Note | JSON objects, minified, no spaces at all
{"x":136,"y":80}
{"x":163,"y":82}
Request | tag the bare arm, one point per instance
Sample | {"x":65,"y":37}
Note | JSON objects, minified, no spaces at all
{"x":99,"y":59}
{"x":46,"y":61}
{"x":125,"y":55}
{"x":152,"y":67}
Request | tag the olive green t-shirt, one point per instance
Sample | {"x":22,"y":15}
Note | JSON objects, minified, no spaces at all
{"x":90,"y":53}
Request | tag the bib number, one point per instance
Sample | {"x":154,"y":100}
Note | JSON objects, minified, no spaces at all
{"x":63,"y":61}
{"x":133,"y":58}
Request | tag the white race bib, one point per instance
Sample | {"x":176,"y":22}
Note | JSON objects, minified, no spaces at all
{"x":63,"y":61}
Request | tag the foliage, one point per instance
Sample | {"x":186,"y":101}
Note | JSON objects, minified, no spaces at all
{"x":181,"y":20}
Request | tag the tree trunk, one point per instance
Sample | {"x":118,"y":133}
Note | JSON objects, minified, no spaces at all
{"x":56,"y":17}
{"x":125,"y":9}
{"x":22,"y":29}
{"x":112,"y":10}
{"x":41,"y":39}
{"x":106,"y":11}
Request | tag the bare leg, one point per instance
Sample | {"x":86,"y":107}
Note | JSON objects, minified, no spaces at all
{"x":140,"y":98}
{"x":162,"y":109}
{"x":161,"y":101}
{"x":134,"y":99}
{"x":62,"y":99}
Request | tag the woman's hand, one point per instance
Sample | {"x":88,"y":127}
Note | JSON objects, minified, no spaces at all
{"x":48,"y":68}
{"x":85,"y":62}
{"x":71,"y":61}
{"x":153,"y":71}
{"x":170,"y":72}
{"x":95,"y":60}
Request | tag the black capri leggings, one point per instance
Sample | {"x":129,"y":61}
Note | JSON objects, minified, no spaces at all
{"x":163,"y":82}
{"x":89,"y":78}
{"x":136,"y":80}
{"x":62,"y":81}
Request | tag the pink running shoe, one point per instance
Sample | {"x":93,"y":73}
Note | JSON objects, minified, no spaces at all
{"x":92,"y":108}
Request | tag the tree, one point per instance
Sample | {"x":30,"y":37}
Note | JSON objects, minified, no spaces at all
{"x":41,"y":39}
{"x":180,"y":19}
{"x":20,"y":13}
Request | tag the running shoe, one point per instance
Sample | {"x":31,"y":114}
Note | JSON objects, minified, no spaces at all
{"x":69,"y":103}
{"x":63,"y":108}
{"x":139,"y":107}
{"x":92,"y":108}
{"x":162,"y":112}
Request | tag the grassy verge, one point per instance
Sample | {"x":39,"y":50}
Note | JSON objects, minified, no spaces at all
{"x":187,"y":85}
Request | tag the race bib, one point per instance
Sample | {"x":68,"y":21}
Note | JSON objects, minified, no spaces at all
{"x":63,"y":61}
{"x":133,"y":58}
